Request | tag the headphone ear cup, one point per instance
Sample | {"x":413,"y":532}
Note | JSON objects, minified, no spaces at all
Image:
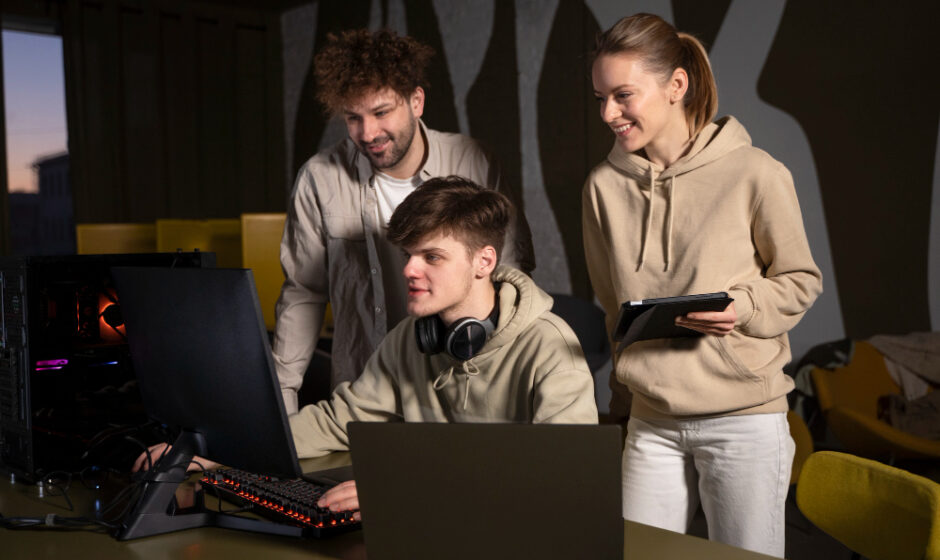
{"x":429,"y":334}
{"x":466,"y":337}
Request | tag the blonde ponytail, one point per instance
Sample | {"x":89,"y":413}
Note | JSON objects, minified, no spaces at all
{"x":701,"y":99}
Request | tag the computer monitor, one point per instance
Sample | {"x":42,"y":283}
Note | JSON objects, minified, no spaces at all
{"x":201,"y":354}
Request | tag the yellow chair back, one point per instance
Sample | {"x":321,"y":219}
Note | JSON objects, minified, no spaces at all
{"x":261,"y":242}
{"x":222,"y":237}
{"x":99,"y":239}
{"x":879,"y":511}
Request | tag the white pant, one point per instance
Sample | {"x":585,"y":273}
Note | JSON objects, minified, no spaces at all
{"x":738,"y":466}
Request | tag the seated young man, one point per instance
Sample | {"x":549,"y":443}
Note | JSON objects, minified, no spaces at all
{"x":480,"y":343}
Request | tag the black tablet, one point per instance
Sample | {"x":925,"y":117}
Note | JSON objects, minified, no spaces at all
{"x":656,"y":318}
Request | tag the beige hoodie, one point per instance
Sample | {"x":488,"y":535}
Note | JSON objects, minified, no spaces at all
{"x":722,"y":218}
{"x":532,"y":369}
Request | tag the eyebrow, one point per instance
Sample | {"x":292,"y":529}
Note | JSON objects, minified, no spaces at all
{"x":379,"y":107}
{"x":615,"y":88}
{"x":426,"y":250}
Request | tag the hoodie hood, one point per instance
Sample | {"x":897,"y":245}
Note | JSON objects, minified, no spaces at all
{"x":520,"y":303}
{"x":715,"y":141}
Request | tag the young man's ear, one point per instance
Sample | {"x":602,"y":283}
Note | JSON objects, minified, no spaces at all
{"x":485,"y":262}
{"x":417,"y":102}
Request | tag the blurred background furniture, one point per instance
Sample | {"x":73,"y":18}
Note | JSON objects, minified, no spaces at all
{"x":848,"y":397}
{"x":220,"y":236}
{"x":804,"y":444}
{"x":115,"y":238}
{"x":878,"y":511}
{"x":261,"y":242}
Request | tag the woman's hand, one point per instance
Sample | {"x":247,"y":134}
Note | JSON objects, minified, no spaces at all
{"x":715,"y":323}
{"x":159,"y":450}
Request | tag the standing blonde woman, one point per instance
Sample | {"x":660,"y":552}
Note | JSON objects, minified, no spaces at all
{"x":683,"y":205}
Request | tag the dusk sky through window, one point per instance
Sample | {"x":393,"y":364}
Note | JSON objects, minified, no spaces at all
{"x":34,"y":92}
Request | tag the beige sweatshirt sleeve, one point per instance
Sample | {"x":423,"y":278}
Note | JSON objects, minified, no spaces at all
{"x":302,"y":303}
{"x":773,"y":305}
{"x":319,"y":429}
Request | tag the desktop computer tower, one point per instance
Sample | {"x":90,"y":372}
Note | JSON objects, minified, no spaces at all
{"x":68,"y":396}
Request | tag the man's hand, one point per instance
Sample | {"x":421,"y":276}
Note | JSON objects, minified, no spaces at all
{"x":715,"y":323}
{"x":159,"y":450}
{"x":342,"y":497}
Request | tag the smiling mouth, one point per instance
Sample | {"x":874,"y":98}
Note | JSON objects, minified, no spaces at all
{"x":622,"y":129}
{"x":376,"y":147}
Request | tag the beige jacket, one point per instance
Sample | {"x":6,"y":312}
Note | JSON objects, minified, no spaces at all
{"x":723,"y":218}
{"x":330,"y":248}
{"x":532,"y":369}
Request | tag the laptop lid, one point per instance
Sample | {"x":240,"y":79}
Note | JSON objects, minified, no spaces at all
{"x":488,"y":490}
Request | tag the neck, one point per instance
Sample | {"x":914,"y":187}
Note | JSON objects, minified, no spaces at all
{"x":671,"y":144}
{"x":478,"y":303}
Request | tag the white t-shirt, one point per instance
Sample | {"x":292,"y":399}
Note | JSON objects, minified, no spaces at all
{"x":390,"y":192}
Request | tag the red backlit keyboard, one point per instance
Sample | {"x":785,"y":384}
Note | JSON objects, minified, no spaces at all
{"x":291,"y":501}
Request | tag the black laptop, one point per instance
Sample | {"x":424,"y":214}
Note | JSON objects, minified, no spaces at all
{"x":488,"y":490}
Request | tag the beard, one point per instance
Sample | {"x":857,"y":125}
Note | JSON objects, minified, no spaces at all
{"x":399,"y":144}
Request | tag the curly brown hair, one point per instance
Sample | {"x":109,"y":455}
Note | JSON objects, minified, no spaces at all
{"x":360,"y":61}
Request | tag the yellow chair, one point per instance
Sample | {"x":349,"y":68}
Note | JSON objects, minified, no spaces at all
{"x":261,"y":246}
{"x":878,"y":511}
{"x":99,"y":239}
{"x":261,"y":242}
{"x":848,"y":396}
{"x":222,"y":237}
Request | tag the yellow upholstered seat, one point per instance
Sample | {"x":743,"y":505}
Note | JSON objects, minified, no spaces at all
{"x":261,"y":242}
{"x":848,"y":396}
{"x":878,"y":511}
{"x":99,"y":239}
{"x":222,"y":237}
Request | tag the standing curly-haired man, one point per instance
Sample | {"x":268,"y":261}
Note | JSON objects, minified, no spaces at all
{"x":334,"y":247}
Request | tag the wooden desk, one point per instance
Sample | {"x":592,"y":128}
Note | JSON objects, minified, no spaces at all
{"x":640,"y":541}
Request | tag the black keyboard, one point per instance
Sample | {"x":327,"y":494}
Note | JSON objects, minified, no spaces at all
{"x":291,"y":501}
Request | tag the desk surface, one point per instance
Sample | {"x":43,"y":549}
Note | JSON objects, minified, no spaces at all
{"x":640,"y":541}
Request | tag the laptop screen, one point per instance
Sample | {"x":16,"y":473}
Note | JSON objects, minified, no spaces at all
{"x":488,"y":490}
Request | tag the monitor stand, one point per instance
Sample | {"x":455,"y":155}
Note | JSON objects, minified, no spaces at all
{"x":154,"y":513}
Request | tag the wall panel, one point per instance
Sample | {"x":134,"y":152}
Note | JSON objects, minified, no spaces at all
{"x":175,"y":109}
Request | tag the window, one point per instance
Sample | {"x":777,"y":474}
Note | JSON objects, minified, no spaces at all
{"x":40,"y":202}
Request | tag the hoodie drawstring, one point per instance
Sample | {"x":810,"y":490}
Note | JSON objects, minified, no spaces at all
{"x":649,"y":220}
{"x":672,"y":205}
{"x":444,"y":377}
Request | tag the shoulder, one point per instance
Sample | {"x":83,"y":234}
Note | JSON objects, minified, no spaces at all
{"x":550,"y":337}
{"x":457,"y":149}
{"x":604,"y":177}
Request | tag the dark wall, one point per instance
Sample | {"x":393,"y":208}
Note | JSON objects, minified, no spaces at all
{"x":860,"y":79}
{"x":174,"y":110}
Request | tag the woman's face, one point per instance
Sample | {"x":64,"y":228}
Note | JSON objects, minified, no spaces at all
{"x":642,"y":110}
